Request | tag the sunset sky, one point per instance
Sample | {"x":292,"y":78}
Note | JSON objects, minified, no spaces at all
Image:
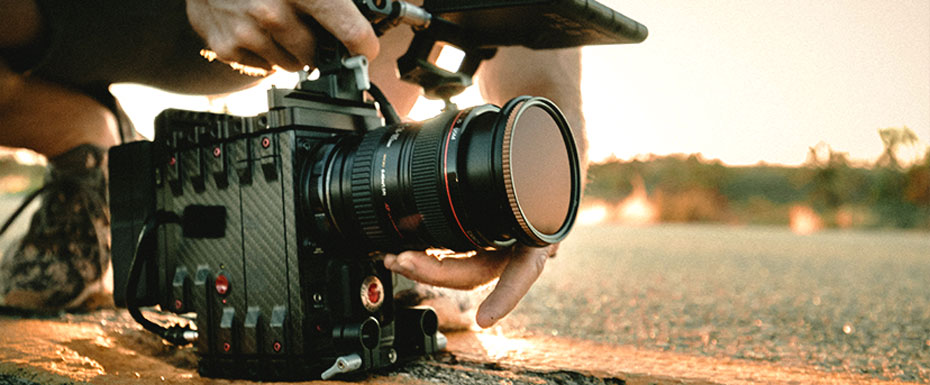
{"x":748,"y":81}
{"x":741,"y":81}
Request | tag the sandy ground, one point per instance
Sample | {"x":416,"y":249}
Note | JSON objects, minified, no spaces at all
{"x":653,"y":305}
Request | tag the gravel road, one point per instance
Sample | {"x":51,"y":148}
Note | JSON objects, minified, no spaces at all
{"x":844,"y":301}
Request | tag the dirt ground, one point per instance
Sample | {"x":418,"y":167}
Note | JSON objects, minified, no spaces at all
{"x":106,"y":348}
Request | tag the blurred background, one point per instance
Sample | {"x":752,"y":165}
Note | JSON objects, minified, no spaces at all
{"x":813,"y":114}
{"x":780,"y":113}
{"x":760,"y":187}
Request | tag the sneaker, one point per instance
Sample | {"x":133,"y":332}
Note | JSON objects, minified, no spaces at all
{"x":61,"y":261}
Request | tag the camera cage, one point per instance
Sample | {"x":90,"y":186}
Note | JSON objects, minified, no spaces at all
{"x":337,"y":104}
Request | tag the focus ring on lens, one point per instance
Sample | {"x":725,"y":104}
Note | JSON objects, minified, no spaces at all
{"x":426,"y":178}
{"x":362,"y":201}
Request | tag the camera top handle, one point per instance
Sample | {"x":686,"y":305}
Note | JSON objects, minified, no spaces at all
{"x":344,"y":77}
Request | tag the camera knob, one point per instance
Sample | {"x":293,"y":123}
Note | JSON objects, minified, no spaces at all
{"x":344,"y":364}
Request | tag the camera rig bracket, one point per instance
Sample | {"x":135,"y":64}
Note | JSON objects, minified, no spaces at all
{"x":264,"y":226}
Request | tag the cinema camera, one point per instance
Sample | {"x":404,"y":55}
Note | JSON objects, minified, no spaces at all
{"x":268,"y":228}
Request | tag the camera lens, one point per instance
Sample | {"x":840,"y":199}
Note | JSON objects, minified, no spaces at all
{"x":480,"y":178}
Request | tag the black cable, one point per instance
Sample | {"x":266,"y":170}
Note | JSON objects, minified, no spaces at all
{"x":22,"y":207}
{"x":390,"y":114}
{"x":175,"y":333}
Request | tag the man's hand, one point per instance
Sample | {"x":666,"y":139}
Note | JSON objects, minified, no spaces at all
{"x":267,"y":33}
{"x":518,"y":268}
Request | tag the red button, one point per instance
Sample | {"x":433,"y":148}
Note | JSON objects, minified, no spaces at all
{"x":222,"y":284}
{"x":374,"y":292}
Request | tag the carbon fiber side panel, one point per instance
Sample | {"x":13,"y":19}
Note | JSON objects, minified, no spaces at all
{"x":207,"y":258}
{"x":262,"y":234}
{"x":287,"y":143}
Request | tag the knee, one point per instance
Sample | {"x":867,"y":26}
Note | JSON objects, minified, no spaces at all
{"x":49,"y":118}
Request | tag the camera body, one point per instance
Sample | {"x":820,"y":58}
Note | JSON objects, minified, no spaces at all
{"x":268,"y":228}
{"x":267,"y":279}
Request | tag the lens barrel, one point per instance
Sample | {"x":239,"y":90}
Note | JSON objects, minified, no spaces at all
{"x":479,"y":178}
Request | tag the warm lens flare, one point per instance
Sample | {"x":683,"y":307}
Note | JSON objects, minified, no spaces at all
{"x":593,"y":213}
{"x":804,"y":220}
{"x":635,"y":209}
{"x":499,"y":347}
{"x":242,"y":68}
{"x":11,"y":184}
{"x":446,"y":253}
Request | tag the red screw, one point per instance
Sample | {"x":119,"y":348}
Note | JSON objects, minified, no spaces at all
{"x":226,"y":346}
{"x":217,"y":152}
{"x":178,"y":304}
{"x":266,"y":142}
{"x":276,"y":346}
{"x":374,"y":293}
{"x":172,"y":161}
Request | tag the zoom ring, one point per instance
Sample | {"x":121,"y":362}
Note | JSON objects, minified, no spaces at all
{"x":427,"y":192}
{"x":362,"y":200}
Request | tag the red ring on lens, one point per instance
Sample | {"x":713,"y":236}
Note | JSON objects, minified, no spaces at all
{"x":445,"y":176}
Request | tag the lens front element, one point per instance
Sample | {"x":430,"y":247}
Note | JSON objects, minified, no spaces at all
{"x":540,"y":169}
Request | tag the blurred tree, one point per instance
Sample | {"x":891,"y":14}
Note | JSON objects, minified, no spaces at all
{"x":917,"y":190}
{"x":689,"y":188}
{"x":611,"y":180}
{"x":888,"y":187}
{"x":827,"y":178}
{"x":895,"y":139}
{"x":897,"y":194}
{"x":918,"y":182}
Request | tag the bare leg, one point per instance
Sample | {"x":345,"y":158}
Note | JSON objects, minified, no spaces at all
{"x":61,"y":261}
{"x":50,"y":119}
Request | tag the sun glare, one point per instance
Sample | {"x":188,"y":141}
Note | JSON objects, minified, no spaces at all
{"x":804,"y":220}
{"x":498,"y":346}
{"x":592,"y":214}
{"x":636,"y":209}
{"x":11,"y":184}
